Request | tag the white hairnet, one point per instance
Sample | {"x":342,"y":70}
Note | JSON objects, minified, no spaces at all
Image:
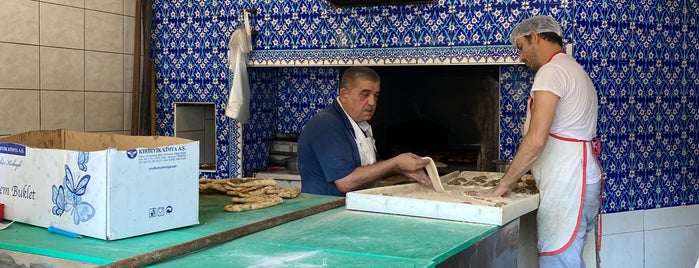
{"x":538,"y":24}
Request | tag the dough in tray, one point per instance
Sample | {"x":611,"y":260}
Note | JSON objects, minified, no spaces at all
{"x":434,"y":176}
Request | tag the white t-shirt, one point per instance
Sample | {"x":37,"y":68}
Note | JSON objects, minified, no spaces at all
{"x":576,"y":113}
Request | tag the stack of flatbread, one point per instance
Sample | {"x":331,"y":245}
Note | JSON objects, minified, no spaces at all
{"x":248,"y":193}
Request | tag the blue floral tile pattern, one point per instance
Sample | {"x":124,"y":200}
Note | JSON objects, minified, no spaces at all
{"x":515,"y":83}
{"x":635,"y":56}
{"x":303,"y":92}
{"x":189,"y":48}
{"x":263,"y":119}
{"x":642,"y":57}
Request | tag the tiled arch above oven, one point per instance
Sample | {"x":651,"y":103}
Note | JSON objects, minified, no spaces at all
{"x":313,"y":33}
{"x":385,"y":56}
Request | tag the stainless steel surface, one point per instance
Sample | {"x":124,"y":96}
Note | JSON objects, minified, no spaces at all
{"x":292,"y":165}
{"x":497,"y":250}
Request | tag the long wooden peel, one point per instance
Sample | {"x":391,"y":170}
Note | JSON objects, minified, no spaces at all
{"x":219,"y":238}
{"x":434,"y":176}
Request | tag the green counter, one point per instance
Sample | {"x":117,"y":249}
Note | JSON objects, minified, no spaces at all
{"x":337,"y":237}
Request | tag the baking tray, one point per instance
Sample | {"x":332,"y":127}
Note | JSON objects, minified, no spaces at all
{"x":388,"y":200}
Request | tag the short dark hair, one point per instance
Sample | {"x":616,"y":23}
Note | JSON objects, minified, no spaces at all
{"x":548,"y":36}
{"x":355,"y":73}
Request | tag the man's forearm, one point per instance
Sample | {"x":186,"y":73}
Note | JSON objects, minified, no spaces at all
{"x":365,"y":175}
{"x":526,"y":155}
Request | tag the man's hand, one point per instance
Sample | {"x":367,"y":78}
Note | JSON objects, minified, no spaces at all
{"x":413,"y":167}
{"x":498,"y":190}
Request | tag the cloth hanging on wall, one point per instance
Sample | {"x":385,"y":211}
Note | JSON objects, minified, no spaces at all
{"x":239,"y":47}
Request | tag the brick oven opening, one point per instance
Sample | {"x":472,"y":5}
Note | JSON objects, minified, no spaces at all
{"x":450,"y":113}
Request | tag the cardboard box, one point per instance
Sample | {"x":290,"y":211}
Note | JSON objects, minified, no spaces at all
{"x":105,"y":186}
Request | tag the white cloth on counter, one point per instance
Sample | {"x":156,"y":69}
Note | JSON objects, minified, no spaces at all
{"x":239,"y":47}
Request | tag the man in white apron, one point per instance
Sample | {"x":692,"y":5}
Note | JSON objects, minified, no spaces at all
{"x":559,"y":145}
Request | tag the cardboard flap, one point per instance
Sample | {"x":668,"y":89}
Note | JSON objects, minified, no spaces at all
{"x":45,"y":139}
{"x":88,"y":142}
{"x":81,"y":141}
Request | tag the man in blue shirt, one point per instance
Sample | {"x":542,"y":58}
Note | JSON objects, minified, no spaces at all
{"x":336,"y":151}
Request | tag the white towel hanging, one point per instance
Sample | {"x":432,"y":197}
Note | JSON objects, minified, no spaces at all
{"x":239,"y":47}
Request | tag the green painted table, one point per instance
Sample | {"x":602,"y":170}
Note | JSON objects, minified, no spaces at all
{"x":337,"y":237}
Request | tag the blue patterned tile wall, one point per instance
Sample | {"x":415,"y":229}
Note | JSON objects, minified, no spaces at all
{"x":643,"y":59}
{"x":641,"y":55}
{"x":303,"y":92}
{"x":189,"y":47}
{"x":515,"y":82}
{"x":453,"y":31}
{"x":263,"y":118}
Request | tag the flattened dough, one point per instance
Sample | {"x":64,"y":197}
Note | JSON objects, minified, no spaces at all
{"x":434,"y":176}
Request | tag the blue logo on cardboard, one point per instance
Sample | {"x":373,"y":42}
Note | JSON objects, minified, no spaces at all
{"x":132,"y":153}
{"x":12,"y":148}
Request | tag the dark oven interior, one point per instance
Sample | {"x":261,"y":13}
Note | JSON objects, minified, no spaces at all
{"x":450,"y":113}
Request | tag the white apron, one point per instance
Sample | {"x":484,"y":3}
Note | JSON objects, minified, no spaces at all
{"x":561,"y":177}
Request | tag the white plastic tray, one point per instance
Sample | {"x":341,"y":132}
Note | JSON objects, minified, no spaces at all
{"x":385,"y":200}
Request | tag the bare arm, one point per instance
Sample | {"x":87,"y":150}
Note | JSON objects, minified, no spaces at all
{"x":407,"y":164}
{"x":533,"y":142}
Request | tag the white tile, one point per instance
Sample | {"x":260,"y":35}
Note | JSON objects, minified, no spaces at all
{"x":74,"y":3}
{"x":128,"y":73}
{"x":665,"y":246}
{"x":62,"y":69}
{"x":20,"y":66}
{"x":111,"y":6}
{"x":22,"y":106}
{"x":693,"y":244}
{"x":20,"y":21}
{"x":128,"y":103}
{"x":622,"y":250}
{"x":590,"y":250}
{"x":130,"y":7}
{"x":104,"y":111}
{"x":104,"y":31}
{"x":129,"y":35}
{"x":62,"y":26}
{"x":62,"y":109}
{"x":622,"y":222}
{"x":664,"y":217}
{"x":693,"y":215}
{"x":104,"y":71}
